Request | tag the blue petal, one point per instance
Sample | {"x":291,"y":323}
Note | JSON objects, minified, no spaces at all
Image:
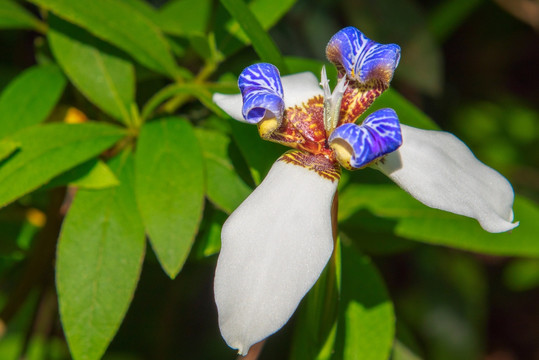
{"x":262,"y":91}
{"x":380,"y":134}
{"x":362,"y":58}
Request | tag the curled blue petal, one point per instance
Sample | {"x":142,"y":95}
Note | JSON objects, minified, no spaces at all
{"x":357,"y":146}
{"x":361,"y":58}
{"x":262,"y":92}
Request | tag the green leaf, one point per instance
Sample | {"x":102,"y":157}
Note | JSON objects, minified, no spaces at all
{"x":170,"y":188}
{"x":229,"y":34}
{"x":185,"y":17}
{"x":49,"y":150}
{"x":103,"y":75}
{"x":208,"y":242}
{"x":373,"y":235}
{"x":366,"y":327}
{"x":405,"y":346}
{"x":407,"y":112}
{"x":144,"y":8}
{"x":92,"y":174}
{"x":7,"y":147}
{"x":14,"y":16}
{"x":316,"y":326}
{"x":262,"y":42}
{"x":100,"y":254}
{"x":116,"y":23}
{"x":30,"y":98}
{"x":410,"y":219}
{"x":224,"y":187}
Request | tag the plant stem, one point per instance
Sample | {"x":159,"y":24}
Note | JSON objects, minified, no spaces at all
{"x":40,"y":261}
{"x":173,"y":104}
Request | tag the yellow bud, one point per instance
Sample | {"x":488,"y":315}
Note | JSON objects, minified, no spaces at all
{"x":74,"y":116}
{"x":36,"y":217}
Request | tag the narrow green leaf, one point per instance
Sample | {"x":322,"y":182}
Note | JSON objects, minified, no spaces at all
{"x":115,"y":22}
{"x":30,"y":98}
{"x":366,"y":327}
{"x":185,"y":17}
{"x":262,"y":42}
{"x":229,"y":34}
{"x":103,"y":75}
{"x":410,"y":219}
{"x":224,"y":187}
{"x":92,"y":174}
{"x":170,"y":188}
{"x":7,"y":147}
{"x":14,"y":16}
{"x":100,"y":254}
{"x":47,"y":151}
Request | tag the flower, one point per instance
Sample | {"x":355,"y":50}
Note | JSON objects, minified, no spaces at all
{"x":278,"y":241}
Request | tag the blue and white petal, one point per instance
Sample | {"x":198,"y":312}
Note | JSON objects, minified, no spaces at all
{"x":357,"y":146}
{"x":262,"y":92}
{"x":231,"y":104}
{"x":297,"y":89}
{"x":274,"y":247}
{"x":361,"y":58}
{"x":439,"y":170}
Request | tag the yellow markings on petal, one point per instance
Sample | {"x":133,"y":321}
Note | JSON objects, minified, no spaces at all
{"x":326,"y":168}
{"x":343,"y":152}
{"x":266,"y":127}
{"x":356,"y":100}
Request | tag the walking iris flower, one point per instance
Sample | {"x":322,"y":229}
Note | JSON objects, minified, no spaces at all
{"x":278,"y":241}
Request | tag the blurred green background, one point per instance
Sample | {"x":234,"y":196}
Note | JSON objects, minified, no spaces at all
{"x":470,"y":65}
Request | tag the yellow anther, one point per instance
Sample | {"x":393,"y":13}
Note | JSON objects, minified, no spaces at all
{"x":267,"y":126}
{"x":343,"y":152}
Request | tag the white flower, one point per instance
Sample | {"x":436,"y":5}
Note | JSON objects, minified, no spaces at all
{"x":278,"y":241}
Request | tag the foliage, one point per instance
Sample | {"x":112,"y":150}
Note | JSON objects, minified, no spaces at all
{"x":109,"y":137}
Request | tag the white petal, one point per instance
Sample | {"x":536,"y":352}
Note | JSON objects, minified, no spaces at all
{"x":299,"y":88}
{"x":440,"y":171}
{"x":231,"y":104}
{"x":274,"y":247}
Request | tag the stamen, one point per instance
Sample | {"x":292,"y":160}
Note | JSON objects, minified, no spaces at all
{"x":327,"y":99}
{"x":336,"y":99}
{"x":332,"y":101}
